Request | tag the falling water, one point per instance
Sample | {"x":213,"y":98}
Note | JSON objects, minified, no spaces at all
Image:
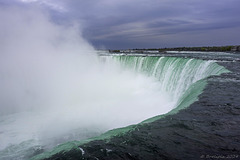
{"x":54,"y":89}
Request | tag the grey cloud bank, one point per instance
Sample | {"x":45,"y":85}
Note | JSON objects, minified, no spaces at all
{"x":112,"y":24}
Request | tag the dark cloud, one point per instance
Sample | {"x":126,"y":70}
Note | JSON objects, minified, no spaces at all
{"x":154,"y":23}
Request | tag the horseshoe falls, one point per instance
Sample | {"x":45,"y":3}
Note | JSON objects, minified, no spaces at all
{"x":121,"y":91}
{"x":181,"y":79}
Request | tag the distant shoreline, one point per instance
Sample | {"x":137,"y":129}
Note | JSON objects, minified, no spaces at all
{"x":232,"y":48}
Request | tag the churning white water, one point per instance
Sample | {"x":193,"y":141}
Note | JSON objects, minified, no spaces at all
{"x":54,"y":88}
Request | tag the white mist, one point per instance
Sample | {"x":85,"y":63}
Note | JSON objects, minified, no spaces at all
{"x":54,"y":89}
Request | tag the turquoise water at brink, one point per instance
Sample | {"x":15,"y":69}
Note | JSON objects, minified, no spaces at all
{"x":174,"y":84}
{"x":183,"y":79}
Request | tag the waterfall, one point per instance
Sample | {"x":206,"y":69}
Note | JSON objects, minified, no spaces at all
{"x":123,"y":91}
{"x":174,"y":75}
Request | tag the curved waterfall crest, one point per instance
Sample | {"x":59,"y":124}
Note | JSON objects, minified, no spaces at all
{"x":175,"y":75}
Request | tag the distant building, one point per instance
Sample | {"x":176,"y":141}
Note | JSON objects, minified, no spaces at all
{"x":152,"y":51}
{"x":235,"y":48}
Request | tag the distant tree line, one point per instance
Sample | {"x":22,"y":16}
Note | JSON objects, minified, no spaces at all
{"x":114,"y":50}
{"x":212,"y":48}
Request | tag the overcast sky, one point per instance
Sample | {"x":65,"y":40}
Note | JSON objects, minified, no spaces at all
{"x":122,"y":24}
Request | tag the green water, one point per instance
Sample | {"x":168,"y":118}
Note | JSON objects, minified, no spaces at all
{"x":183,"y":79}
{"x":178,"y":77}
